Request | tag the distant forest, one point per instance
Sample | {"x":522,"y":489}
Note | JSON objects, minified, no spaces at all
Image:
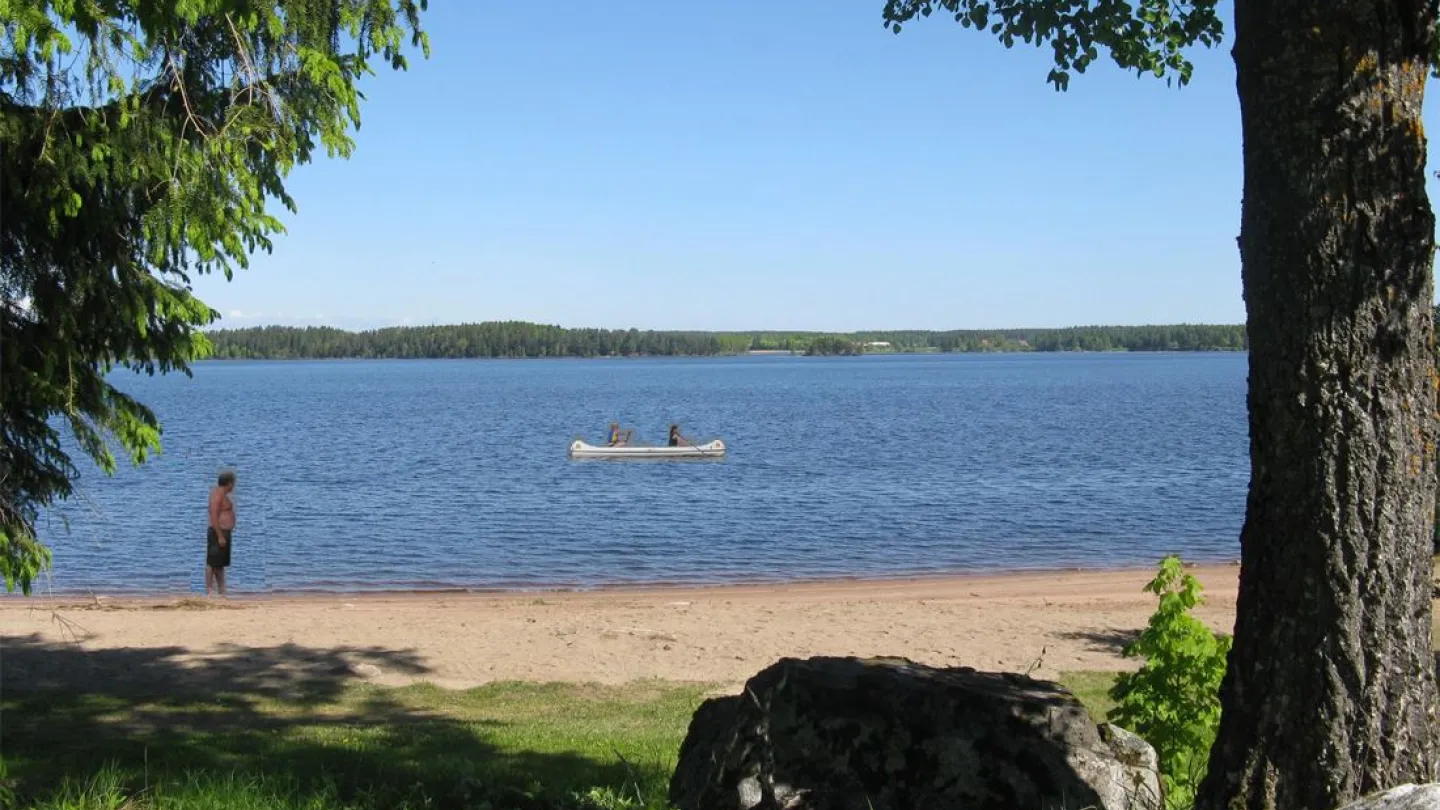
{"x":521,"y":339}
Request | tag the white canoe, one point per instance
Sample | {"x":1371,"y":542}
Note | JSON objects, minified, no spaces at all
{"x":712,"y":449}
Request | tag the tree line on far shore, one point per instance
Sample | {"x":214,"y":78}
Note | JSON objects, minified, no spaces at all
{"x":523,"y":339}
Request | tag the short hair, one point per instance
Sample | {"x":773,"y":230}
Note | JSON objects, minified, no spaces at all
{"x":227,"y":477}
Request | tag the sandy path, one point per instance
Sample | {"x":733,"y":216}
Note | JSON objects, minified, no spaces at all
{"x":719,"y":635}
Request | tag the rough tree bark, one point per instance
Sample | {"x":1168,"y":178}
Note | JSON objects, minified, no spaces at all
{"x":1330,"y":691}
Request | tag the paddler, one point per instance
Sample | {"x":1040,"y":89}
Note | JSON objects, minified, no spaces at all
{"x":618,"y":437}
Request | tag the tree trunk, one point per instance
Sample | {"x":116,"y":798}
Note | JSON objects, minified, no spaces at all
{"x":1330,"y":691}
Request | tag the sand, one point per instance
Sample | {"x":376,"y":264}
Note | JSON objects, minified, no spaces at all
{"x":1044,"y":623}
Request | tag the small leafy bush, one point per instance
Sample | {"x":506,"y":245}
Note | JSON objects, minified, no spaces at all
{"x":1173,"y":701}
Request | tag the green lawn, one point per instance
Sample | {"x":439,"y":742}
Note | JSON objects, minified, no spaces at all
{"x":515,"y":745}
{"x":1093,"y":689}
{"x":314,"y":744}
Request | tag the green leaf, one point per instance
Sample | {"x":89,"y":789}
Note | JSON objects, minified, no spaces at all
{"x":1149,"y":39}
{"x":1173,"y":700}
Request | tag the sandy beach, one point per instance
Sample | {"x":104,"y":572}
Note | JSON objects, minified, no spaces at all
{"x":1047,"y":623}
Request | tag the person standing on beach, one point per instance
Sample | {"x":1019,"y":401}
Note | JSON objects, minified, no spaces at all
{"x":217,"y":536}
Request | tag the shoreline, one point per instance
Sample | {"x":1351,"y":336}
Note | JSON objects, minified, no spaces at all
{"x":658,"y":587}
{"x":1044,"y":623}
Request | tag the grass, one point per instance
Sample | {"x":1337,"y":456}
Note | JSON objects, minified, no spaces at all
{"x":1093,"y":690}
{"x":279,"y":728}
{"x":510,"y":745}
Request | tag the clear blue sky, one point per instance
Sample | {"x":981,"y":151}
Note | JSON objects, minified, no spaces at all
{"x":758,"y":165}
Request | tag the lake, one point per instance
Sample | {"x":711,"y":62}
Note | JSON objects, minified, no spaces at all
{"x":420,"y":474}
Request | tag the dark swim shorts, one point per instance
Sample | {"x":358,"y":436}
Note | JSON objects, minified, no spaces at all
{"x":216,"y":555}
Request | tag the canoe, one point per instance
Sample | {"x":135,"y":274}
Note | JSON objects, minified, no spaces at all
{"x":711,"y":449}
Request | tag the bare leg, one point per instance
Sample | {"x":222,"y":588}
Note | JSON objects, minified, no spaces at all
{"x":209,"y":578}
{"x":220,"y":580}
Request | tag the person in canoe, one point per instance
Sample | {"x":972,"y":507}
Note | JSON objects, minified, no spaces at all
{"x":618,"y":437}
{"x":675,"y":438}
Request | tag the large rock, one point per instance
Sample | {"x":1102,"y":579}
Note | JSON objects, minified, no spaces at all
{"x":889,"y":734}
{"x":1404,"y":797}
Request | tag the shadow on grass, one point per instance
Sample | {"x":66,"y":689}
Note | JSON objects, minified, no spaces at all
{"x":287,"y":714}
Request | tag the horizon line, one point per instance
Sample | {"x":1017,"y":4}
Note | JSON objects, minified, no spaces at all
{"x":719,"y":331}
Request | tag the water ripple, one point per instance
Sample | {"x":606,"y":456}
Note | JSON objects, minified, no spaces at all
{"x":452,"y":474}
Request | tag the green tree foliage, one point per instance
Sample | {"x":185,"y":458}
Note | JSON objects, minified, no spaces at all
{"x":828,"y":345}
{"x":495,"y":339}
{"x":1173,"y":701}
{"x":1150,"y":36}
{"x":143,"y":143}
{"x":521,"y":339}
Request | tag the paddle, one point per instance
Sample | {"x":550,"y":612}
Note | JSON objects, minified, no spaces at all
{"x":697,"y":447}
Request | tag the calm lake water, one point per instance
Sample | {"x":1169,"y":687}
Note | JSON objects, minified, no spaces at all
{"x":359,"y":475}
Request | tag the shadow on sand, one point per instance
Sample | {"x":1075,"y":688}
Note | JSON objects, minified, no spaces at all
{"x":1106,"y":641}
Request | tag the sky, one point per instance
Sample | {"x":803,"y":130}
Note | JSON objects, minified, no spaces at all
{"x":751,"y":165}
